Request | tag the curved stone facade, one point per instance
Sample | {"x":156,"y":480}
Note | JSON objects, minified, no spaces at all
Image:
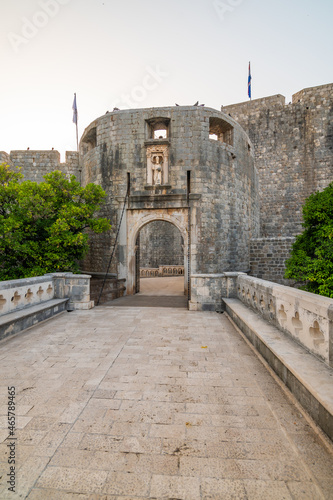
{"x":191,"y":166}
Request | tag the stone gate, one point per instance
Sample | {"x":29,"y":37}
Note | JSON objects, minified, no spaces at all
{"x":190,"y":166}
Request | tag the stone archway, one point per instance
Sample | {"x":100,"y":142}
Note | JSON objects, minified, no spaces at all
{"x":136,"y":220}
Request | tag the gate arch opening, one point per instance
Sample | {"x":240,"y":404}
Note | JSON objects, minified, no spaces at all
{"x":136,"y":222}
{"x":160,"y":254}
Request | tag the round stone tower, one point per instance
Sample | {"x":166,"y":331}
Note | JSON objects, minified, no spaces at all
{"x":188,"y":165}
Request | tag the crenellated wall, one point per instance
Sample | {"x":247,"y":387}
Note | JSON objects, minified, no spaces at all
{"x":35,"y":164}
{"x":249,"y":170}
{"x":293,"y":150}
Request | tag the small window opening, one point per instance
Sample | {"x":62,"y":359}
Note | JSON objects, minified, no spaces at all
{"x":220,"y":130}
{"x":89,"y":140}
{"x":160,"y":134}
{"x":188,"y":185}
{"x":158,"y":128}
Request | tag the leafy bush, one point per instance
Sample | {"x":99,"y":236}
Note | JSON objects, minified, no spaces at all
{"x":311,"y":258}
{"x":42,"y":225}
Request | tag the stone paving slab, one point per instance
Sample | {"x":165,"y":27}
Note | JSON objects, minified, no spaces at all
{"x":160,"y":403}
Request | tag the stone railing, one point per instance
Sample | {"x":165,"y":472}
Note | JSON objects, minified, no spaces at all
{"x":19,"y":294}
{"x":154,"y":272}
{"x":207,"y":290}
{"x":306,"y":317}
{"x":24,"y":293}
{"x":149,"y":272}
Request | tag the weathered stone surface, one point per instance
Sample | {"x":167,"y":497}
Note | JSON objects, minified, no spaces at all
{"x":211,"y":174}
{"x":293,"y":153}
{"x":304,"y":316}
{"x":306,"y":377}
{"x":153,"y":403}
{"x":216,"y":219}
{"x":160,"y":244}
{"x":35,"y":164}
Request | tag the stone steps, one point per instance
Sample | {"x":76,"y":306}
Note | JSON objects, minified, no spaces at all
{"x":308,"y":378}
{"x":17,"y":321}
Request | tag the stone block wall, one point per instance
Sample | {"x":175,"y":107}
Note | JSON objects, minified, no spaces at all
{"x":35,"y":164}
{"x":160,"y":244}
{"x":207,"y":290}
{"x":268,"y":257}
{"x":223,"y":203}
{"x":4,"y":158}
{"x":293,"y":150}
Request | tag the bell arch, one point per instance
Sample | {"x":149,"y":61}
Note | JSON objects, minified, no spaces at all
{"x":136,"y":220}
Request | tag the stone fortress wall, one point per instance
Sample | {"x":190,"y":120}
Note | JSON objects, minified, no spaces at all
{"x":293,"y":150}
{"x":214,"y":175}
{"x":207,"y":187}
{"x":35,"y":164}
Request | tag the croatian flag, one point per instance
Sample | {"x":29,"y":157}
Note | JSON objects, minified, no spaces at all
{"x":74,"y":107}
{"x":249,"y":82}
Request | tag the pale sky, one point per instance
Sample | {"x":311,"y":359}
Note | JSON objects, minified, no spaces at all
{"x":145,"y":53}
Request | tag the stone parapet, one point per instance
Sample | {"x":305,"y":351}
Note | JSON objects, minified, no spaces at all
{"x":16,"y":295}
{"x":304,"y":316}
{"x":161,"y":271}
{"x":37,"y":163}
{"x":20,"y":294}
{"x":207,"y":290}
{"x":74,"y":286}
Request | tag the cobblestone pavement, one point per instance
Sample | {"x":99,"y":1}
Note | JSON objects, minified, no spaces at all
{"x":135,"y":403}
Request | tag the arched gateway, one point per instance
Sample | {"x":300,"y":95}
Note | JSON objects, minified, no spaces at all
{"x":190,"y":166}
{"x":136,"y":220}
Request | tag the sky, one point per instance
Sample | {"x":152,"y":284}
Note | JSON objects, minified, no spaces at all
{"x":149,"y":53}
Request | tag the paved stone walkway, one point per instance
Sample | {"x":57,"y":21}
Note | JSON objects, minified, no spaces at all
{"x":135,"y":403}
{"x":156,"y":292}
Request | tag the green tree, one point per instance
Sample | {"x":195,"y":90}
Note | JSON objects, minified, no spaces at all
{"x":311,"y":260}
{"x":42,"y":225}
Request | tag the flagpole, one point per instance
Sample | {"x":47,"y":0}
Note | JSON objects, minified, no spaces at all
{"x":75,"y":120}
{"x":77,"y":138}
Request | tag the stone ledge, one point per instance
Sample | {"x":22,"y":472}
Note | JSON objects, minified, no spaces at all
{"x":16,"y":322}
{"x":308,"y":378}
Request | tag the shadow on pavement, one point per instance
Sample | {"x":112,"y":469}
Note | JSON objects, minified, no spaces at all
{"x":149,"y":301}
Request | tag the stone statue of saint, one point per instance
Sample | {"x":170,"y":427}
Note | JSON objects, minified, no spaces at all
{"x":157,"y":170}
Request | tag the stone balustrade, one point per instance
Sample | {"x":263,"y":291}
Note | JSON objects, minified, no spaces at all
{"x":161,"y":271}
{"x":24,"y":293}
{"x":19,"y":294}
{"x":306,"y":317}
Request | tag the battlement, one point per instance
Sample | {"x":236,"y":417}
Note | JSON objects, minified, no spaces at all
{"x":36,"y":163}
{"x":293,"y":152}
{"x":274,"y":101}
{"x":314,"y":96}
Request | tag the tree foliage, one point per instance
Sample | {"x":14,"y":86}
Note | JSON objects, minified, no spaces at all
{"x":312,"y":253}
{"x":42,"y":225}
